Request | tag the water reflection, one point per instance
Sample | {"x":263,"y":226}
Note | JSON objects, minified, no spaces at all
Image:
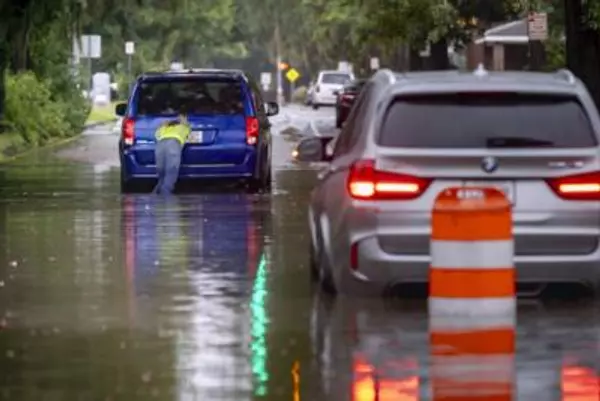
{"x":373,"y":350}
{"x":579,"y":383}
{"x":215,"y":245}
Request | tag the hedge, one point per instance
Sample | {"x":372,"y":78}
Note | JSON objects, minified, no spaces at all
{"x":38,"y":112}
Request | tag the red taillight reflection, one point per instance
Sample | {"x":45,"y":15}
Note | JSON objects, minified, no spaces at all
{"x":367,"y":183}
{"x":129,"y":218}
{"x":579,"y":384}
{"x":581,"y":187}
{"x":365,"y":387}
{"x":252,"y":247}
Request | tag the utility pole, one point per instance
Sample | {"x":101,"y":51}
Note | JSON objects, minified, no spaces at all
{"x":278,"y":59}
{"x":90,"y":71}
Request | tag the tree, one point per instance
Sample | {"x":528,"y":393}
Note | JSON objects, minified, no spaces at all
{"x":583,"y":43}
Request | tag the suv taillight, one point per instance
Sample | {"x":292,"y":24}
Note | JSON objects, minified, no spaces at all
{"x":580,"y":187}
{"x":365,"y":182}
{"x":128,"y":131}
{"x":252,"y":130}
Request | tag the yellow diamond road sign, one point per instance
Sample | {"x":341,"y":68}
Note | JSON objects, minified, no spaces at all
{"x":292,"y":75}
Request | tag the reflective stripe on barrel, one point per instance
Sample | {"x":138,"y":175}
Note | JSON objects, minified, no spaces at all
{"x":472,"y":251}
{"x":472,"y":358}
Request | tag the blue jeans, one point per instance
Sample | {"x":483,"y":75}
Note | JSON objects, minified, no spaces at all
{"x":168,"y":159}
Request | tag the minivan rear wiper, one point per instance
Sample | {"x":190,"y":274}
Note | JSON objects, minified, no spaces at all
{"x":516,"y":142}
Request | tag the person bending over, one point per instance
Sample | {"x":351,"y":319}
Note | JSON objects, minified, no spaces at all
{"x":170,"y":139}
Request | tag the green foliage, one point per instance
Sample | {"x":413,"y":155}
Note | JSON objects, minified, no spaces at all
{"x":32,"y":112}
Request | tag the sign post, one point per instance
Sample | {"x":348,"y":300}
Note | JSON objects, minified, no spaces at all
{"x":537,"y":26}
{"x":129,"y":51}
{"x":265,"y":80}
{"x":90,"y":47}
{"x":374,"y":63}
{"x":537,"y":31}
{"x":292,"y":76}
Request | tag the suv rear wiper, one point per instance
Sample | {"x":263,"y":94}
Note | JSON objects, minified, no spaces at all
{"x":510,"y":142}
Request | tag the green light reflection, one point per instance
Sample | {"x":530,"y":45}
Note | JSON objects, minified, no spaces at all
{"x":258,"y":331}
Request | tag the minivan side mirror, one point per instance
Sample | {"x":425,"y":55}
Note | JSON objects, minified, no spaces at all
{"x":313,"y":149}
{"x":336,"y":92}
{"x":121,"y":109}
{"x":272,"y":109}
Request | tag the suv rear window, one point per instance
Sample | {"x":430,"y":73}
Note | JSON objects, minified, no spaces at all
{"x":337,"y":79}
{"x":471,"y":120}
{"x":193,"y":95}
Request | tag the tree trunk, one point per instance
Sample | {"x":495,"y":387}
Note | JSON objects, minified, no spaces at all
{"x":3,"y":67}
{"x":439,"y":55}
{"x":583,"y":48}
{"x":573,"y":14}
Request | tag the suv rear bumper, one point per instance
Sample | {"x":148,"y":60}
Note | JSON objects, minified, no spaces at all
{"x":132,"y":170}
{"x":380,"y":268}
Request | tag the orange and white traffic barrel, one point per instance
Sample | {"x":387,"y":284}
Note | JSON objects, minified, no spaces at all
{"x":472,"y":358}
{"x":472,"y":296}
{"x":472,"y":270}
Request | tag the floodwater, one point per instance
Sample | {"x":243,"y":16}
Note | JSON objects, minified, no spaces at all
{"x":207,"y":296}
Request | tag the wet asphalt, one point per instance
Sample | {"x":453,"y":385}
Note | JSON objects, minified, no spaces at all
{"x":207,"y":296}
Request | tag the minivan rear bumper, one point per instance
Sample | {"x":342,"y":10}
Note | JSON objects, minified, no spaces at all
{"x":132,"y":169}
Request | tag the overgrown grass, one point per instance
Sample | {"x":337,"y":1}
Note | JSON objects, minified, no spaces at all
{"x":100,"y":114}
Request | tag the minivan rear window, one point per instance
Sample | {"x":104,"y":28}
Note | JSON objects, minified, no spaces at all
{"x":193,"y":95}
{"x":333,"y":78}
{"x":471,"y":120}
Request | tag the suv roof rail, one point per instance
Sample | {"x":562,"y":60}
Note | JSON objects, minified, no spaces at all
{"x":480,"y":71}
{"x":387,"y":74}
{"x":566,"y":75}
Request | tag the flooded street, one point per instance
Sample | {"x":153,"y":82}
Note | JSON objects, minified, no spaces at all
{"x":207,"y":296}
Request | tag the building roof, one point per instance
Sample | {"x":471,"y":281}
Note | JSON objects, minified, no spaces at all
{"x":514,"y":32}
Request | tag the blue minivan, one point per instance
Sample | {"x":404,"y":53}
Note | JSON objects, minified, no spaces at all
{"x":230,"y":139}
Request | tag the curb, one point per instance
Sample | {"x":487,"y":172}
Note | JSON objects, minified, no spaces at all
{"x":47,"y":146}
{"x":54,"y":144}
{"x":98,"y":124}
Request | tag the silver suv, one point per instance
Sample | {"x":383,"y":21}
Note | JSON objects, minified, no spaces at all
{"x":534,"y":135}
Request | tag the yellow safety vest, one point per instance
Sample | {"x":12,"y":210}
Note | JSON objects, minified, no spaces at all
{"x":179,"y":132}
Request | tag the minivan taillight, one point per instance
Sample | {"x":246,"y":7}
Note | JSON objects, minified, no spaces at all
{"x":128,"y":131}
{"x":580,"y":187}
{"x":365,"y":182}
{"x":252,"y":130}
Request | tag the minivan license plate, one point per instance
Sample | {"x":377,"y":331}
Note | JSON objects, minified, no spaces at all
{"x":507,"y":187}
{"x":196,"y":137}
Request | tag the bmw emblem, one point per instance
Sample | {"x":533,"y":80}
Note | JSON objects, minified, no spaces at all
{"x":489,"y":164}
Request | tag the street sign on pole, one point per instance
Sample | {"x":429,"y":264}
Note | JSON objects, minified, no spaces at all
{"x":91,"y":46}
{"x":537,"y":26}
{"x":374,"y":63}
{"x":129,"y":48}
{"x":266,"y":78}
{"x":292,"y":75}
{"x":129,"y":51}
